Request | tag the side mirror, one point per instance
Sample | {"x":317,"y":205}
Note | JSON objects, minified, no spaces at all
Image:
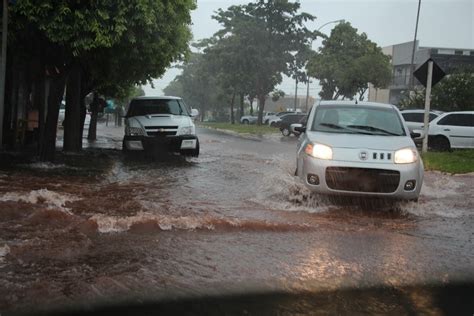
{"x":416,"y":134}
{"x":297,"y":127}
{"x":194,"y":112}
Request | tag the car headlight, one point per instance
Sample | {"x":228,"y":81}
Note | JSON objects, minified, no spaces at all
{"x":406,"y":155}
{"x":319,"y":151}
{"x":186,"y":130}
{"x":134,"y":131}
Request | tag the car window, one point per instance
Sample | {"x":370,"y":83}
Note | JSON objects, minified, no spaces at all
{"x":357,"y":119}
{"x":156,"y":106}
{"x":457,"y":120}
{"x":418,"y":117}
{"x":413,"y":117}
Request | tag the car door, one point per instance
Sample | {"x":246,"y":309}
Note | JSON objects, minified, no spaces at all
{"x":459,"y":128}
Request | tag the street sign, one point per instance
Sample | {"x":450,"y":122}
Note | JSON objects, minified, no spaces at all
{"x":422,"y":73}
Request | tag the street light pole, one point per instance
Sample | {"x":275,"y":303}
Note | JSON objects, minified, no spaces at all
{"x":3,"y":67}
{"x":307,"y":83}
{"x":412,"y":64}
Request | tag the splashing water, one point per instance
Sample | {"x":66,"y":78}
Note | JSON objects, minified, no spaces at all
{"x":43,"y":196}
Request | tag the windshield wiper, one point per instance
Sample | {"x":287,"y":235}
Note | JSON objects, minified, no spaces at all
{"x":332,"y":125}
{"x":335,"y":126}
{"x":373,"y":129}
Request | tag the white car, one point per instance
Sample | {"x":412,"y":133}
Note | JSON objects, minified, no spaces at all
{"x":248,"y":119}
{"x":160,"y":124}
{"x":415,"y":118}
{"x":452,"y":130}
{"x":362,"y":149}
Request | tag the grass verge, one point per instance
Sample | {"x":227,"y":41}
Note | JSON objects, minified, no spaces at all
{"x":242,"y":128}
{"x":457,"y":161}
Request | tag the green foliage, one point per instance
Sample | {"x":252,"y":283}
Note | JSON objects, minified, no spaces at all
{"x":453,"y":93}
{"x":458,"y":161}
{"x":197,"y":85}
{"x":258,"y":43}
{"x":276,"y":95}
{"x":347,"y":62}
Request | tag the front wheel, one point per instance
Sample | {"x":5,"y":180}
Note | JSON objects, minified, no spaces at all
{"x":285,"y":132}
{"x":246,"y":122}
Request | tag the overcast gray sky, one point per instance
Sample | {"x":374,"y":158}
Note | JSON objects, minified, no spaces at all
{"x":443,"y":23}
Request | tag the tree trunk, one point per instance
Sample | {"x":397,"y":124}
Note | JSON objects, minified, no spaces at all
{"x":20,"y":114}
{"x":72,"y":125}
{"x":251,"y":106}
{"x":232,"y":118}
{"x":39,"y":86}
{"x":241,"y":105}
{"x":94,"y":108}
{"x":261,"y":106}
{"x":48,"y":142}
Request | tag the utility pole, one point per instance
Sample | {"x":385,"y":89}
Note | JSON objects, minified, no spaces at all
{"x":412,"y":64}
{"x":307,"y":95}
{"x":296,"y":92}
{"x":426,"y":117}
{"x":3,"y":67}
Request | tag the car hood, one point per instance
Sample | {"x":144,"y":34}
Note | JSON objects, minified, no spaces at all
{"x":160,"y":120}
{"x":336,"y":140}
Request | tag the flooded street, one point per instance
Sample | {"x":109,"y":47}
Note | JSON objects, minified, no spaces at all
{"x":234,"y":218}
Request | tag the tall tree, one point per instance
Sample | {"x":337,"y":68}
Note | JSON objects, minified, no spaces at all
{"x":270,"y":31}
{"x":105,"y":45}
{"x":347,"y":62}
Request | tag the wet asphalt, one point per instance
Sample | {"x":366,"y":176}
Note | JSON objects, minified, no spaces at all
{"x":235,"y":219}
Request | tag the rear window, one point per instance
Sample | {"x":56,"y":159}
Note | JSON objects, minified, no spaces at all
{"x":142,"y":107}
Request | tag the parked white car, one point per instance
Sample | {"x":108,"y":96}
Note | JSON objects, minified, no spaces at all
{"x":415,"y":118}
{"x":160,"y":124}
{"x":452,"y":130}
{"x":248,"y":119}
{"x":362,"y":149}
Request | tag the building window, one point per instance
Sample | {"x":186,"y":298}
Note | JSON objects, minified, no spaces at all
{"x":458,"y":52}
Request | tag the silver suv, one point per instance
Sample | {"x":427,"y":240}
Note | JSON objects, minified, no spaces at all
{"x":160,"y":124}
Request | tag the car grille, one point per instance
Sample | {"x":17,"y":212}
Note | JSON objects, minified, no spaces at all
{"x":161,"y":130}
{"x":362,"y":179}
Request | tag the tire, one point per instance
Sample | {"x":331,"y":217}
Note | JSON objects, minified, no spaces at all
{"x":286,"y":132}
{"x":272,"y":124}
{"x":246,"y":122}
{"x":440,"y":143}
{"x":266,"y":122}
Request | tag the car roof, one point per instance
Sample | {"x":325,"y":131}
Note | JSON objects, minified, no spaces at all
{"x":421,"y":111}
{"x":371,"y":104}
{"x":458,"y":112}
{"x":157,"y":98}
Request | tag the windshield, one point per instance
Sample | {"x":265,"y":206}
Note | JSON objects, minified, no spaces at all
{"x":156,"y":106}
{"x":355,"y":119}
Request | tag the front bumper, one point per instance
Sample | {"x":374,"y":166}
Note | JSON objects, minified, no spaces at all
{"x":160,"y":143}
{"x":319,"y":167}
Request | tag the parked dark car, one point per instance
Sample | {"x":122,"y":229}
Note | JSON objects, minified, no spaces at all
{"x":287,"y":120}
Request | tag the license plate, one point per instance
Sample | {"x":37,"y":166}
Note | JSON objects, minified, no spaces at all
{"x":188,"y":144}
